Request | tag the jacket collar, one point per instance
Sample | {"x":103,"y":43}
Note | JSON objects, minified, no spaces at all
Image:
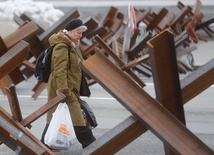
{"x":66,"y":39}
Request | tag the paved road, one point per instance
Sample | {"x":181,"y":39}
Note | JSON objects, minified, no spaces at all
{"x":109,"y":112}
{"x":199,"y":112}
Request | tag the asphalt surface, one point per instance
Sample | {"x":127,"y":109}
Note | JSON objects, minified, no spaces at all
{"x":199,"y":112}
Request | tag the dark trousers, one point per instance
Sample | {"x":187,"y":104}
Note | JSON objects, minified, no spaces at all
{"x":83,"y":133}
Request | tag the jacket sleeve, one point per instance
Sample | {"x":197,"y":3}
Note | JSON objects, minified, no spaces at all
{"x":60,"y":59}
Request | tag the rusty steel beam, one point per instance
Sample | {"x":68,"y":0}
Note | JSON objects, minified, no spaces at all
{"x":145,"y":108}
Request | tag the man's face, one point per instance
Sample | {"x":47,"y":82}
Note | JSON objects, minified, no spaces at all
{"x":75,"y":34}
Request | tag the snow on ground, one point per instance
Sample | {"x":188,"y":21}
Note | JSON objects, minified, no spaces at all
{"x":40,"y":11}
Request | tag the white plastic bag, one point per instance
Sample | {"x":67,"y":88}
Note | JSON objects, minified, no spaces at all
{"x":60,"y":133}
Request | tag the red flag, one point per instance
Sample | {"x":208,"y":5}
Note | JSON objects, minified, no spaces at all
{"x":132,"y":19}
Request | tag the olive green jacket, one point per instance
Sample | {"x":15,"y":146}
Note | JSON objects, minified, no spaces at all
{"x":66,"y":75}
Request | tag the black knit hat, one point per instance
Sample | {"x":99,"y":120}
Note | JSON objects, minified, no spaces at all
{"x":75,"y":23}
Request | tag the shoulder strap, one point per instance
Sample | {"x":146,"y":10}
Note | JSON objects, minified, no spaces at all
{"x":69,"y":63}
